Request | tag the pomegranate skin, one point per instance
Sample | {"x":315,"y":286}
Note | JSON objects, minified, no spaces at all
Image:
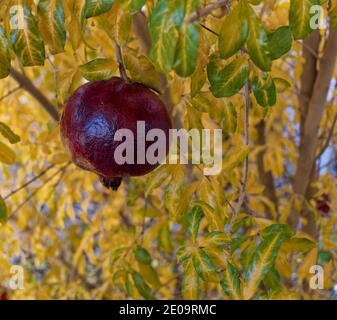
{"x":93,"y":114}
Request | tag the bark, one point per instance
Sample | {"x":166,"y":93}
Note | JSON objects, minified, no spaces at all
{"x":313,"y":112}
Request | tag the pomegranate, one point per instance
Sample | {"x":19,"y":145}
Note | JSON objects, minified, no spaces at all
{"x":323,"y":204}
{"x":93,"y":114}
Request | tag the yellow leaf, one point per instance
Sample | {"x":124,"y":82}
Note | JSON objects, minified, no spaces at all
{"x":7,"y":155}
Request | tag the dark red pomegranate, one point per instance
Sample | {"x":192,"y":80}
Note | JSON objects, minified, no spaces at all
{"x":93,"y":114}
{"x":323,"y":204}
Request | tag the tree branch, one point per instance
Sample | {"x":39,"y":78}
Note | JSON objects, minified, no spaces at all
{"x":28,"y":85}
{"x":207,"y":10}
{"x":311,"y":115}
{"x":308,"y":76}
{"x":27,"y":183}
{"x":316,"y":109}
{"x":327,"y":141}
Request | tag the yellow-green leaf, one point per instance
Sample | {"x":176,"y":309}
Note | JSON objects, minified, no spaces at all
{"x":187,"y":48}
{"x":3,"y":210}
{"x":142,"y":255}
{"x":231,"y":42}
{"x":299,"y":17}
{"x":7,"y":155}
{"x":194,"y":218}
{"x":5,"y":62}
{"x":94,"y":8}
{"x":264,"y":257}
{"x":235,"y":157}
{"x":142,"y":69}
{"x":26,"y":40}
{"x":229,"y":79}
{"x":164,"y":36}
{"x":52,"y":24}
{"x":205,"y":266}
{"x":142,"y":287}
{"x":257,"y":43}
{"x":231,"y":283}
{"x":264,"y":90}
{"x":8,"y":133}
{"x":190,"y":283}
{"x":98,"y":69}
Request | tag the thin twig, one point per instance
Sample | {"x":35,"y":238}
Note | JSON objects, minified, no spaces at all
{"x":119,"y":57}
{"x":27,"y":183}
{"x":208,"y":29}
{"x":37,"y":190}
{"x":242,"y":194}
{"x":308,"y":48}
{"x":207,"y":10}
{"x":10,"y":92}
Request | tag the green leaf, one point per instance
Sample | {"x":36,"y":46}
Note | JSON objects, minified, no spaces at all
{"x":264,"y":90}
{"x":204,"y":266}
{"x":280,"y":42}
{"x":7,"y":155}
{"x":190,"y":284}
{"x":26,"y":40}
{"x":142,"y":255}
{"x":231,"y":283}
{"x":164,"y":35}
{"x":52,"y":24}
{"x":231,"y":42}
{"x":247,"y":253}
{"x":217,"y":239}
{"x":275,"y":229}
{"x":228,"y":80}
{"x":94,"y":8}
{"x":187,"y":47}
{"x":8,"y":133}
{"x":3,"y":210}
{"x":142,"y":69}
{"x":299,"y":18}
{"x":142,"y":287}
{"x":98,"y":69}
{"x":215,"y":220}
{"x":272,"y":280}
{"x":194,"y":219}
{"x":257,"y":43}
{"x":264,"y":257}
{"x":5,"y":62}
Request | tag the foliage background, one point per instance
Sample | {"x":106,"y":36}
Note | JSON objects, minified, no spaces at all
{"x":253,"y":231}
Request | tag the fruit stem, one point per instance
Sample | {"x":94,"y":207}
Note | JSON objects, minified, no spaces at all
{"x":121,"y":67}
